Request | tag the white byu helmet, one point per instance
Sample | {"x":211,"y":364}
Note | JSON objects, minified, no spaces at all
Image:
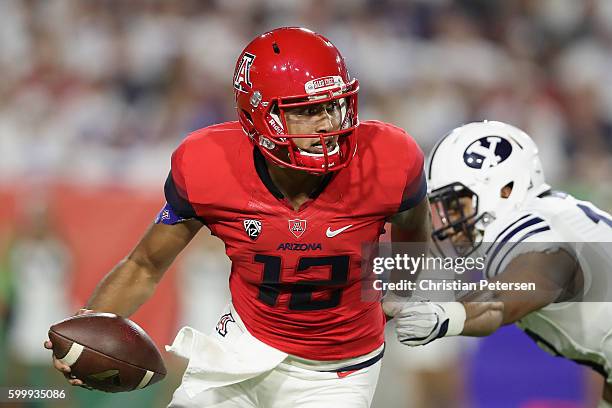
{"x":478,"y":160}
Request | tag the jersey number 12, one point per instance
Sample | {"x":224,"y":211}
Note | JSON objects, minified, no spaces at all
{"x":301,"y":291}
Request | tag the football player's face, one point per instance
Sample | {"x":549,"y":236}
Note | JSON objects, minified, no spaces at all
{"x":311,"y":119}
{"x":457,"y":210}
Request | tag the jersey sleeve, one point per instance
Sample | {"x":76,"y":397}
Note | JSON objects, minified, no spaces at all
{"x":178,"y":208}
{"x":415,"y":185}
{"x":530,"y":233}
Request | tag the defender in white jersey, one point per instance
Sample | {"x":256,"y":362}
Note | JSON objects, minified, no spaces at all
{"x":490,"y":197}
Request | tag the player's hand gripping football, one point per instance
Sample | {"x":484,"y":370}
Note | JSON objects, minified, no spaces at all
{"x":61,"y":367}
{"x":420,"y":322}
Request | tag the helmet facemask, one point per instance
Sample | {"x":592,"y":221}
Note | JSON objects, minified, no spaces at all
{"x":458,"y":228}
{"x":280,"y":147}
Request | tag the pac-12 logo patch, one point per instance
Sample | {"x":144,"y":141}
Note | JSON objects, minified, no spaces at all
{"x":252,"y":228}
{"x":243,"y":72}
{"x":297,"y":227}
{"x":486,"y":152}
{"x":223,"y":322}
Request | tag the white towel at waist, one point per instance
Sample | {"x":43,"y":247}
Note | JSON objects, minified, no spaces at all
{"x":217,"y":360}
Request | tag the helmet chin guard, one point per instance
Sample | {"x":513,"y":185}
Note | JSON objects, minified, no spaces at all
{"x":291,"y":68}
{"x":329,"y":158}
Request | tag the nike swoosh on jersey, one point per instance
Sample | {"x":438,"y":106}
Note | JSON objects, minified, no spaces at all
{"x":331,"y":234}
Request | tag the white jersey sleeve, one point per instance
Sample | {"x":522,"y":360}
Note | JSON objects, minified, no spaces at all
{"x":528,"y":233}
{"x":579,"y":331}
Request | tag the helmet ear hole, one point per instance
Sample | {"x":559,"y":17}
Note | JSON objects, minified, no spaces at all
{"x":506,"y":190}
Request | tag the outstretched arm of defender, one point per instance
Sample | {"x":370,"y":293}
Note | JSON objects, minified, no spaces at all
{"x":555,"y":275}
{"x":556,"y":278}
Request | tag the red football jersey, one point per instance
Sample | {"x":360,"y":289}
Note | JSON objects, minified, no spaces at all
{"x":296,"y":275}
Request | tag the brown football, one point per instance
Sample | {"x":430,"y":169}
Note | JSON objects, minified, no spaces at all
{"x":107,"y":352}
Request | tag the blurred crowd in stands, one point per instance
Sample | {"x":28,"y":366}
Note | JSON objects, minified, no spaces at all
{"x":103,"y":90}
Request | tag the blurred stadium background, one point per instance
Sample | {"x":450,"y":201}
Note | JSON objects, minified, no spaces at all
{"x":95,"y":94}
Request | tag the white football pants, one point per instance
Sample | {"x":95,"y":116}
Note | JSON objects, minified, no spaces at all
{"x":288,"y":386}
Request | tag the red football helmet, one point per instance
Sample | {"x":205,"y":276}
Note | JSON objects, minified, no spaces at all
{"x":288,"y":68}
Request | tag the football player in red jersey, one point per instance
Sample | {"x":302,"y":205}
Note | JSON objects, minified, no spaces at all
{"x":294,"y":188}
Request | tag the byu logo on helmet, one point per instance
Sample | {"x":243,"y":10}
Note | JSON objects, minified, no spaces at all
{"x":486,"y":152}
{"x":243,"y":73}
